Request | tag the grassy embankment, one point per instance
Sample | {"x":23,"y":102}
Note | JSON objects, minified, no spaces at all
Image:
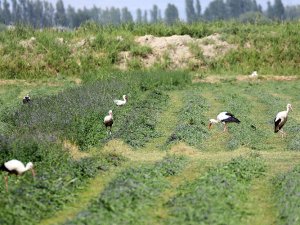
{"x":37,"y":132}
{"x":94,"y":51}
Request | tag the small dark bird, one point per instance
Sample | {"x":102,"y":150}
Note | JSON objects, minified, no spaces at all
{"x":15,"y":167}
{"x":281,"y":119}
{"x":224,"y":118}
{"x":108,"y":121}
{"x":26,"y":99}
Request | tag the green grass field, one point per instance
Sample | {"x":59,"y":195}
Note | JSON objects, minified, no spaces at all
{"x":161,"y":165}
{"x":176,"y":171}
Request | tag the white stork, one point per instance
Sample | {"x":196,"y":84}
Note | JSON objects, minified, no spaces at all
{"x":16,"y":167}
{"x":26,"y":99}
{"x":224,"y":117}
{"x":121,"y":102}
{"x":253,"y":74}
{"x":281,"y":119}
{"x":109,"y":120}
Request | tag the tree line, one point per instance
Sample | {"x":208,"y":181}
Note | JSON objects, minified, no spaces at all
{"x":40,"y":14}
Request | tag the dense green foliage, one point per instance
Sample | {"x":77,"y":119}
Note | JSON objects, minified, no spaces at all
{"x":128,"y":197}
{"x":93,"y":49}
{"x":218,"y":196}
{"x":287,"y":189}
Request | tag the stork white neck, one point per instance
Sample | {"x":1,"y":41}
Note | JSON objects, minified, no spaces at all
{"x":27,"y":167}
{"x":213,"y":121}
{"x":289,"y":108}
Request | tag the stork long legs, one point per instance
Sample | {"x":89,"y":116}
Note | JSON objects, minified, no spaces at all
{"x":282,"y":133}
{"x":108,"y":132}
{"x":6,"y":185}
{"x":225,"y":127}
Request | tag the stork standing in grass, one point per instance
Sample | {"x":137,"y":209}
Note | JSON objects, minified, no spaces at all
{"x":121,"y":102}
{"x":26,"y":99}
{"x":224,"y":118}
{"x":15,"y":167}
{"x":254,"y":74}
{"x":108,"y":121}
{"x":281,"y":119}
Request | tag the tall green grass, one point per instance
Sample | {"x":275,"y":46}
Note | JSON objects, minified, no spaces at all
{"x":268,"y":48}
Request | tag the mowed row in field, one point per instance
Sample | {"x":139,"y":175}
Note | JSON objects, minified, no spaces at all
{"x":187,"y":174}
{"x":200,"y":192}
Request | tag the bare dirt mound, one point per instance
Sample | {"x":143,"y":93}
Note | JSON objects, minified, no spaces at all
{"x":180,"y":51}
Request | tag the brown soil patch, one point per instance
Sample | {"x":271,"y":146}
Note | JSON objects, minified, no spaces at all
{"x":10,"y":82}
{"x":178,"y":50}
{"x":218,"y":79}
{"x":118,"y":146}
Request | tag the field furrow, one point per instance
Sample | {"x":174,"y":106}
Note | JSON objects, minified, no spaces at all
{"x":167,"y":120}
{"x":84,"y":197}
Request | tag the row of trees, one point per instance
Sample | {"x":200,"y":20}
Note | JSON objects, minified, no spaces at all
{"x":43,"y":14}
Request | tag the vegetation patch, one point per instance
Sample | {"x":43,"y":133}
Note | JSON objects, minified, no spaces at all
{"x":287,"y":189}
{"x":221,"y":48}
{"x":58,"y":178}
{"x":218,"y":196}
{"x":131,"y":194}
{"x":192,"y":127}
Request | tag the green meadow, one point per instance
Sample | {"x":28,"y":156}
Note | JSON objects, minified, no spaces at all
{"x":161,"y":164}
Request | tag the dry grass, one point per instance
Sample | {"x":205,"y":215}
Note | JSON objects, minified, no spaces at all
{"x":74,"y":150}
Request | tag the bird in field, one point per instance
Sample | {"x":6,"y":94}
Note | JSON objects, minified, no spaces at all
{"x":16,"y":167}
{"x":281,"y":119}
{"x":224,"y":118}
{"x":108,"y":121}
{"x":121,"y":102}
{"x":253,"y":74}
{"x":26,"y":99}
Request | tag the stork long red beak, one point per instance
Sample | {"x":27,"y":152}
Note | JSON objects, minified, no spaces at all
{"x":209,"y":125}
